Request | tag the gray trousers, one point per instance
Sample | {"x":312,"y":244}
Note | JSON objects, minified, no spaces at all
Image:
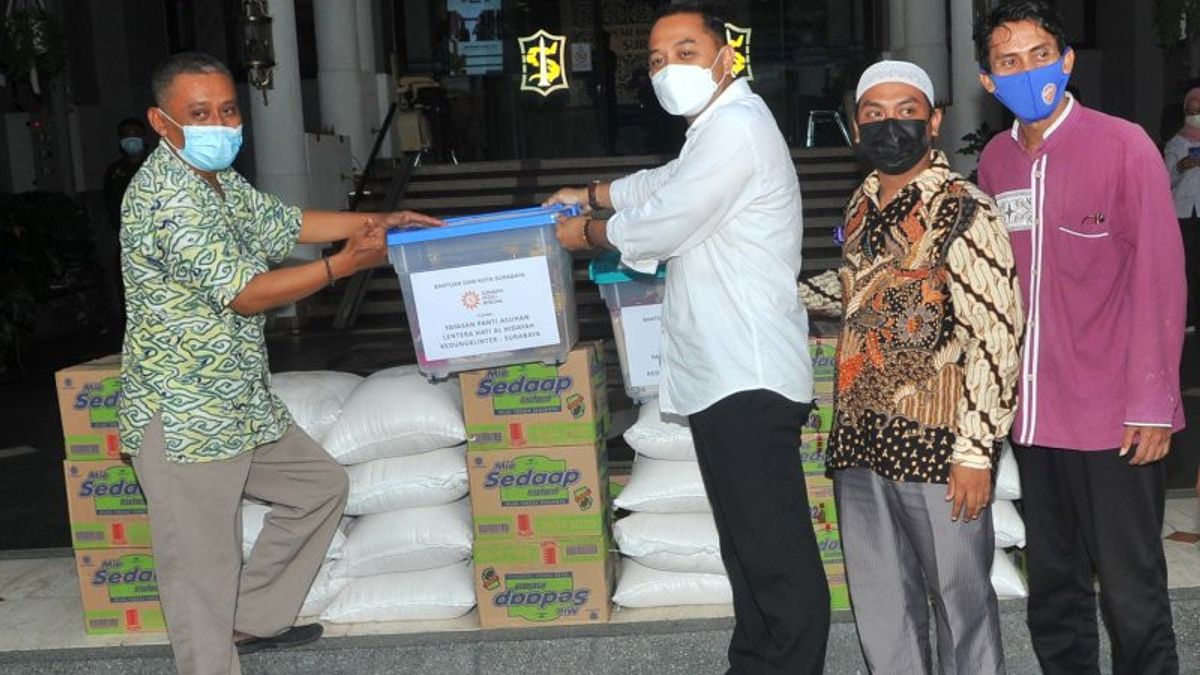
{"x":196,"y":529}
{"x":903,"y":551}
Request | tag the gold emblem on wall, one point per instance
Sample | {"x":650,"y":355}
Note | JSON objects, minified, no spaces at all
{"x":543,"y":62}
{"x":739,"y":39}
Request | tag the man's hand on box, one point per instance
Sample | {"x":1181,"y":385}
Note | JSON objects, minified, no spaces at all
{"x":409,"y":219}
{"x":366,"y":248}
{"x":570,"y":233}
{"x":569,"y":196}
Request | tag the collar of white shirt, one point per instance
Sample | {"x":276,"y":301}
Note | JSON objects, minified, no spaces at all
{"x":738,"y":90}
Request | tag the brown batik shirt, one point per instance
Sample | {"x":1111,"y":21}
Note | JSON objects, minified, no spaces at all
{"x":928,"y":354}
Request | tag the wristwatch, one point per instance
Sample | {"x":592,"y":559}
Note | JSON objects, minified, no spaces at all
{"x":593,"y":202}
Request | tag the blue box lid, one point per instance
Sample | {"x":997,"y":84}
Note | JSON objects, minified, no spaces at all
{"x":483,"y":223}
{"x":607,"y":269}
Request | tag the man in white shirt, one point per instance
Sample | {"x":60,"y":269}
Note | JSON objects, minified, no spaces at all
{"x":725,"y":216}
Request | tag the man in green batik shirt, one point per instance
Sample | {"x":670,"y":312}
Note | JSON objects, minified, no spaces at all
{"x":197,"y":414}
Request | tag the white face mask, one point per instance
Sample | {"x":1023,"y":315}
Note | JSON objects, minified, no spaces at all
{"x":1192,"y":121}
{"x":685,"y":90}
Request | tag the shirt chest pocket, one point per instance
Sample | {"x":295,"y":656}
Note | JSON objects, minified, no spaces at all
{"x":1087,"y":224}
{"x":1081,"y":245}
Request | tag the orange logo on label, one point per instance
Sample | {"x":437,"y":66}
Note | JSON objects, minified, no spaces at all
{"x":470,"y":300}
{"x":1048,"y":93}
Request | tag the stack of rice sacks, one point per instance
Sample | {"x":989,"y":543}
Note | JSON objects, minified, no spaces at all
{"x":1010,"y":528}
{"x":670,"y":541}
{"x":403,"y":551}
{"x":671,"y":552}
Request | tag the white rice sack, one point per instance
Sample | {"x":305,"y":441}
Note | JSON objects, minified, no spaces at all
{"x":397,"y":412}
{"x":253,"y":514}
{"x":662,"y":486}
{"x":330,"y":581}
{"x":1006,"y":578}
{"x":1008,"y":476}
{"x":428,"y":479}
{"x":1010,"y":529}
{"x":410,"y":539}
{"x":314,"y":398}
{"x":428,"y":595}
{"x":672,"y":542}
{"x":661,"y":436}
{"x":640,"y":586}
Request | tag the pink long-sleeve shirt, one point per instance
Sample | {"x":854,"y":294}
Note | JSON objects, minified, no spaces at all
{"x":1100,"y":260}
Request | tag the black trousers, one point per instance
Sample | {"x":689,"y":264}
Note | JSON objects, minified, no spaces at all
{"x":1091,"y":515}
{"x":747,"y":445}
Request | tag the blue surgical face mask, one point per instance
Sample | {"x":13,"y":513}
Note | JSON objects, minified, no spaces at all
{"x":1034,"y":94}
{"x":132,"y":145}
{"x":210,"y":147}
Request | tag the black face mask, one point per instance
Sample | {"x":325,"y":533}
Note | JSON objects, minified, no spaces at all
{"x":894,"y":146}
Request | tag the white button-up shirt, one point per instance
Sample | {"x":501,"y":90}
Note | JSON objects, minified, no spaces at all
{"x":725,"y":215}
{"x":1185,"y":186}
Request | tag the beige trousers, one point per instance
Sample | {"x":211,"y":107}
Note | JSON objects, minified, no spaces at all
{"x":196,"y":529}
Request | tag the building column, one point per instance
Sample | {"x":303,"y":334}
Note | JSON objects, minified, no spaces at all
{"x":925,"y":41}
{"x":339,"y":75}
{"x":895,"y":29}
{"x":366,"y":17}
{"x":280,"y":164}
{"x":970,"y":105}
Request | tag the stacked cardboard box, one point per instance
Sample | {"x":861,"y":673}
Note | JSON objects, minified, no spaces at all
{"x":110,"y":529}
{"x":823,"y":348}
{"x":538,"y":472}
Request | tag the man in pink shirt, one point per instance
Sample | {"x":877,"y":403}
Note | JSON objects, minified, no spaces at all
{"x":1087,"y":202}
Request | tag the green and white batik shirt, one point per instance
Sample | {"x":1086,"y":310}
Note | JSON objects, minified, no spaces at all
{"x":186,"y":253}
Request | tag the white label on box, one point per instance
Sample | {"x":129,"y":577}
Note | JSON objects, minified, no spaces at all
{"x":642,"y":326}
{"x":484,"y":309}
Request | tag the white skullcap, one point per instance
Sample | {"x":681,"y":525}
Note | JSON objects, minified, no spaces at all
{"x":902,"y":72}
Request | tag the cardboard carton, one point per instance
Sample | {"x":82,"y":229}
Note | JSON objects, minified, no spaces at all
{"x":839,"y":591}
{"x":829,"y":541}
{"x":535,"y":405}
{"x":88,"y":395}
{"x":823,"y":352}
{"x":812,"y":452}
{"x":119,"y":590}
{"x":547,"y":582}
{"x":106,"y":504}
{"x":822,"y":505}
{"x":820,"y":419}
{"x":539,"y":492}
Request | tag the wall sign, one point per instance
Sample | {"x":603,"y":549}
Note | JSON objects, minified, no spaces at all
{"x":739,"y":39}
{"x":543,"y":62}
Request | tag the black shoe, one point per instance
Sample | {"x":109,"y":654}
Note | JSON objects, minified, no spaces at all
{"x":292,"y":637}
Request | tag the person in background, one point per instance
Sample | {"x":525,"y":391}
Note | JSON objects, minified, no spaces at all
{"x":725,"y":216}
{"x":197,"y":412}
{"x":926,"y":387}
{"x":131,"y":141}
{"x":1087,"y":203}
{"x":1182,"y":154}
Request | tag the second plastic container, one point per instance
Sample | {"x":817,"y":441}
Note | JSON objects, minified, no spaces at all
{"x":635,"y":304}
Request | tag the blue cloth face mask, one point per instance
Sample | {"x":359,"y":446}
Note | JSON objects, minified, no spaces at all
{"x":1034,"y":94}
{"x":132,"y":145}
{"x":210,"y":147}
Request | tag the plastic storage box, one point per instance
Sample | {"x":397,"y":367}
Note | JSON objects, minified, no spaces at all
{"x":487,"y":290}
{"x":635,"y":304}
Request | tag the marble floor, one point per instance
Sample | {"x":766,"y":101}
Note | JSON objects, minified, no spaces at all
{"x":39,"y":598}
